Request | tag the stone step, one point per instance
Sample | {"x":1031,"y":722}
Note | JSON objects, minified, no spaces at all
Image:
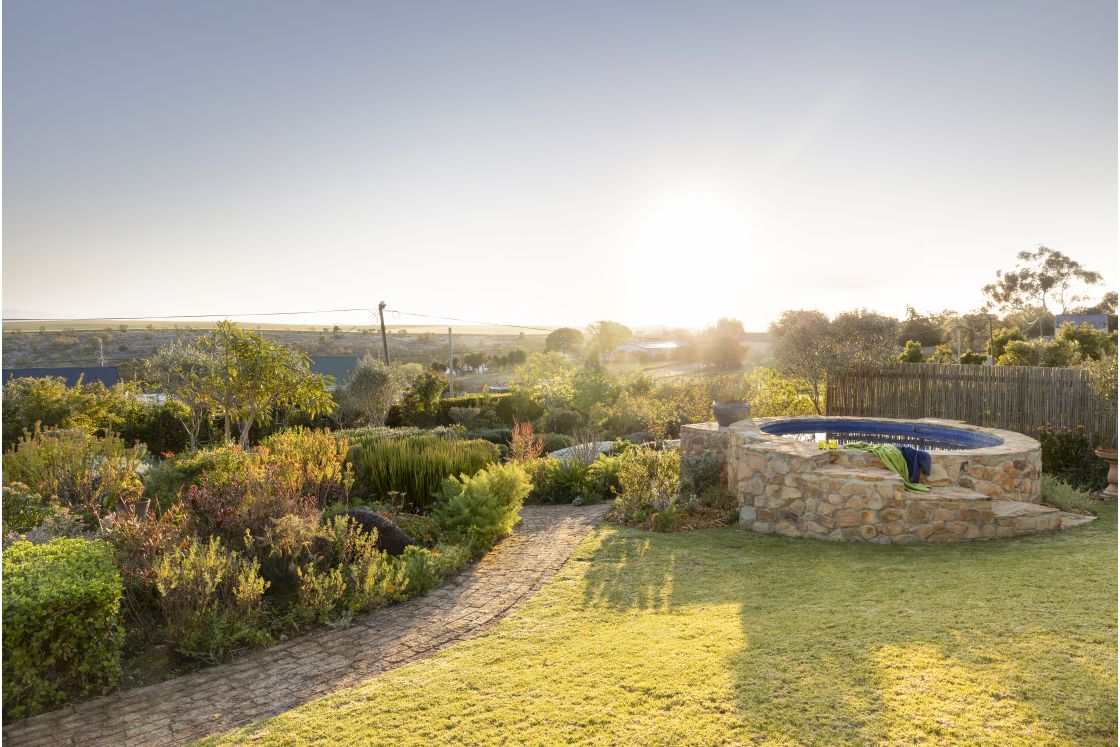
{"x":949,"y":493}
{"x":1016,"y":518}
{"x":867,"y":474}
{"x":1071,"y":520}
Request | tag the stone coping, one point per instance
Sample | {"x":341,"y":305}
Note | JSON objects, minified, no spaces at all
{"x":750,"y":430}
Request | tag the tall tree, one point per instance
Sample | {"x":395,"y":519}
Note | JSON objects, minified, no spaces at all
{"x":1043,"y":277}
{"x":802,"y":348}
{"x":563,"y":340}
{"x":606,"y":336}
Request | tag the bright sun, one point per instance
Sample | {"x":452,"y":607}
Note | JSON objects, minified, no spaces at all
{"x":682,"y":240}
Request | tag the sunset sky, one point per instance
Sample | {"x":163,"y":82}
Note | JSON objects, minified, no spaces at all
{"x":549,"y":163}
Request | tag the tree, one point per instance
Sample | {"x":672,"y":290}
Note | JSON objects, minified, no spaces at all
{"x":924,"y":329}
{"x":1107,"y":305}
{"x":1042,"y":277}
{"x":728,"y":327}
{"x":374,"y":386}
{"x":1000,"y":339}
{"x":970,"y":358}
{"x":942,"y":354}
{"x":912,"y":353}
{"x":249,"y":376}
{"x":606,"y":336}
{"x":420,"y":402}
{"x":1091,"y":342}
{"x":863,"y":339}
{"x":802,"y":348}
{"x":475,"y":360}
{"x":187,"y":373}
{"x":563,"y":340}
{"x":724,"y":351}
{"x":548,"y":379}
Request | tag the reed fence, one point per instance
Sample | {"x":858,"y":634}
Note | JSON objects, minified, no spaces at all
{"x":1015,"y":398}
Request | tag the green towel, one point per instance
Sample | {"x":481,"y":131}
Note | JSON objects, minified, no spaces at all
{"x":892,"y":459}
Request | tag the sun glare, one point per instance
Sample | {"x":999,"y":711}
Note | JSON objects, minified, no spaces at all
{"x":681,"y":240}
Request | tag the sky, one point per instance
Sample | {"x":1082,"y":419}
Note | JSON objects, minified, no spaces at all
{"x":548,"y":163}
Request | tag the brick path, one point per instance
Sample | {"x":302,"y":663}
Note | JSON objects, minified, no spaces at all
{"x":277,"y":679}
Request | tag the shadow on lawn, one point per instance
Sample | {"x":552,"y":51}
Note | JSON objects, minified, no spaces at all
{"x":856,"y":644}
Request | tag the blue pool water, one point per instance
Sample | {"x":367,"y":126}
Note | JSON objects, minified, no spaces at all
{"x":898,"y":432}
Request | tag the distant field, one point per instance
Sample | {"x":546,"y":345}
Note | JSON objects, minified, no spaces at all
{"x":66,"y":325}
{"x":62,"y":343}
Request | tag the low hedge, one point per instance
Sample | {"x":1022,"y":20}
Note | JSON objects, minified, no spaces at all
{"x":62,"y":632}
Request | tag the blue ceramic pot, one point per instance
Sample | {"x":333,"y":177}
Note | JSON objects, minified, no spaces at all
{"x":731,"y":412}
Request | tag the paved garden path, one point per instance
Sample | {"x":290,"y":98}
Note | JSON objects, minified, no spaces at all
{"x":287,"y":675}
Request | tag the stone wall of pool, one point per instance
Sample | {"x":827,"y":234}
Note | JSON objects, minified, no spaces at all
{"x":796,"y":489}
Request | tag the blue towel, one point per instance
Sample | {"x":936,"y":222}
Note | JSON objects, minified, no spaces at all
{"x":917,"y":461}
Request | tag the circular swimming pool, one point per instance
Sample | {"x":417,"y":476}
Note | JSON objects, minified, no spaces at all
{"x":927,"y":436}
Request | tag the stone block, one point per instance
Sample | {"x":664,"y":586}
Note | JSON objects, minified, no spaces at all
{"x":891,"y":514}
{"x":894,"y":528}
{"x":747,"y":515}
{"x":846,"y":518}
{"x":787,"y":529}
{"x":867,"y":532}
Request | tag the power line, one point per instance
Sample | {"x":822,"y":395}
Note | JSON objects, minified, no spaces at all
{"x":471,"y":321}
{"x":156,"y":317}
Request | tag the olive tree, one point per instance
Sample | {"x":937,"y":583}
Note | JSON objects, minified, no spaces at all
{"x":374,"y":386}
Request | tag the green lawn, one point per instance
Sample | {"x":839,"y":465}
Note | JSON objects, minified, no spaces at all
{"x":726,"y":637}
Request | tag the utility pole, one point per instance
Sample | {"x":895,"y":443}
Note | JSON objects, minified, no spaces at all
{"x":958,"y":343}
{"x":450,"y":366}
{"x":384,"y":339}
{"x":101,"y":350}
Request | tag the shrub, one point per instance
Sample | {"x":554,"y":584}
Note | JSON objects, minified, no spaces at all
{"x":250,"y":503}
{"x":169,"y":480}
{"x":139,"y":545}
{"x":499,"y":436}
{"x":516,"y":406}
{"x":483,"y":507}
{"x":604,"y":482}
{"x":84,"y":471}
{"x":551,"y":442}
{"x":1068,"y":498}
{"x":211,"y":599}
{"x":411,"y":471}
{"x":381,"y":433}
{"x":62,"y":635}
{"x":314,"y":460}
{"x":649,"y":486}
{"x":23,"y":508}
{"x":1068,"y":456}
{"x":699,"y":472}
{"x":64,"y":522}
{"x":563,"y":421}
{"x":524,"y":445}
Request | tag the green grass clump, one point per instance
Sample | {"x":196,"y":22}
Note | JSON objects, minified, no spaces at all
{"x":722,"y":636}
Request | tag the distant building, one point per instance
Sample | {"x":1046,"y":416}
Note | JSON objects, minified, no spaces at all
{"x":759,"y":342}
{"x":647,"y":349}
{"x":338,"y":366}
{"x":107,"y":375}
{"x":1100,"y":321}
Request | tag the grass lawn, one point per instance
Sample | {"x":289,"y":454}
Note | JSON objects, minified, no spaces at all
{"x":726,"y":637}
